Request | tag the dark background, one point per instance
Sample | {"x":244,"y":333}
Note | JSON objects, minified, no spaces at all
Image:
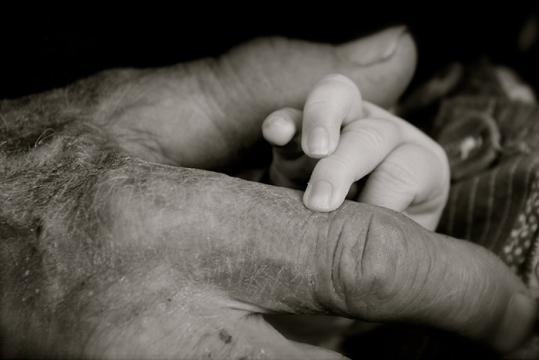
{"x":41,"y":51}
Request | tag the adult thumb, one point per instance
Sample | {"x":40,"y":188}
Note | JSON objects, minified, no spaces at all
{"x":276,"y":72}
{"x":236,"y":91}
{"x":204,"y":114}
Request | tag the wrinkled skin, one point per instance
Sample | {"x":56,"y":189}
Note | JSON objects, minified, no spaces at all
{"x":111,"y":253}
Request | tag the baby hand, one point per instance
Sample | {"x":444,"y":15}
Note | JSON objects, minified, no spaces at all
{"x":338,"y":139}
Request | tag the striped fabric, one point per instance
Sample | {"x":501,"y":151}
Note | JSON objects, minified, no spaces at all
{"x":496,"y":203}
{"x":492,"y":142}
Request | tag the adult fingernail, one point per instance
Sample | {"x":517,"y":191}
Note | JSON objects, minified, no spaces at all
{"x":520,"y":316}
{"x":373,"y":49}
{"x":318,"y":142}
{"x":319,"y":195}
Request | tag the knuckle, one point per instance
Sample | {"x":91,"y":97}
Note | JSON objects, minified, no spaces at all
{"x":376,"y":133}
{"x":335,"y":166}
{"x":399,"y":265}
{"x":379,"y":258}
{"x":364,"y":251}
{"x":372,"y":139}
{"x":397,"y":175}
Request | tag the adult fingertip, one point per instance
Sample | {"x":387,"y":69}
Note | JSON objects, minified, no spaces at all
{"x":518,"y":321}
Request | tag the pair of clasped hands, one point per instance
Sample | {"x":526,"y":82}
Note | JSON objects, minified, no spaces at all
{"x":247,"y":248}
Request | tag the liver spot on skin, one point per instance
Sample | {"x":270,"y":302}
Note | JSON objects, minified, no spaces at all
{"x":225,"y":337}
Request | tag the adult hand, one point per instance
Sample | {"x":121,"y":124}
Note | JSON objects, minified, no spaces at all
{"x":128,"y":258}
{"x":208,"y":114}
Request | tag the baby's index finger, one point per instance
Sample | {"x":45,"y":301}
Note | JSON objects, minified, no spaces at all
{"x":335,"y":101}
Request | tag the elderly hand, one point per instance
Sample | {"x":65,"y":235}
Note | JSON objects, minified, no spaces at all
{"x":111,"y":256}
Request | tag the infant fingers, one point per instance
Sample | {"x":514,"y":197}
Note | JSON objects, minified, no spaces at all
{"x":412,"y":172}
{"x":335,"y":101}
{"x":410,"y":179}
{"x":363,"y":145}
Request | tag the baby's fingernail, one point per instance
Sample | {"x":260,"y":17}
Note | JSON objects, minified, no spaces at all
{"x":277,"y":121}
{"x":518,"y":321}
{"x":319,"y":195}
{"x":318,"y":141}
{"x":278,"y":130}
{"x":373,"y":49}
